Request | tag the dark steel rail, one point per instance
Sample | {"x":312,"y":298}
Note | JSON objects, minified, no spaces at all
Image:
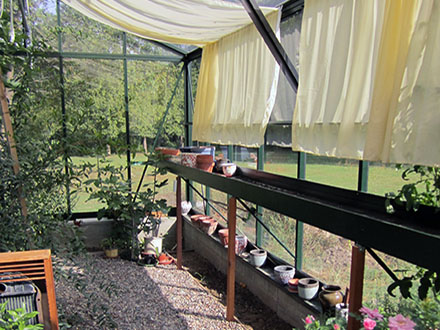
{"x":361,"y":217}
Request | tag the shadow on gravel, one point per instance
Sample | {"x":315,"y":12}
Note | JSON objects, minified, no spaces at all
{"x":136,"y":303}
{"x":248,"y":308}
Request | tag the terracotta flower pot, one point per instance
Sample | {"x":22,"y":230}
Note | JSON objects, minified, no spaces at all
{"x":292,"y":285}
{"x":164,"y":259}
{"x":195,"y":218}
{"x":223,"y":234}
{"x":205,"y":162}
{"x":168,"y":151}
{"x":208,"y":225}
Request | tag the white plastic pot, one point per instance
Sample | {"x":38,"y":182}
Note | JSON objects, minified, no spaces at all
{"x":153,"y":245}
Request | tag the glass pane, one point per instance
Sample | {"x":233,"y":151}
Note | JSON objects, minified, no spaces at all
{"x":137,"y":45}
{"x":245,"y":157}
{"x":284,"y":229}
{"x":336,"y":172}
{"x":150,"y":86}
{"x":43,"y":19}
{"x":82,"y":34}
{"x":326,"y":256}
{"x":246,"y":221}
{"x":94,"y":96}
{"x":384,"y":178}
{"x":280,"y":161}
{"x":376,"y":280}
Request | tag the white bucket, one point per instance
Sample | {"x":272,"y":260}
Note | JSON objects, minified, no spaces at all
{"x":153,"y":245}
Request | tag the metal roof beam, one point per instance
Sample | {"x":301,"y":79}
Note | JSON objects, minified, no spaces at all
{"x":168,"y":47}
{"x":272,"y":42}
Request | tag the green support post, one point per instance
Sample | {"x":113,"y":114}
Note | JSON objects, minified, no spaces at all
{"x":363,"y":176}
{"x":127,"y":116}
{"x":208,"y":193}
{"x":63,"y":109}
{"x":188,"y":117}
{"x":231,"y":156}
{"x":301,"y":174}
{"x":258,"y":227}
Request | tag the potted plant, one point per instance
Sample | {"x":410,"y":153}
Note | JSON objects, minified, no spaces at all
{"x":131,"y":213}
{"x":110,"y":247}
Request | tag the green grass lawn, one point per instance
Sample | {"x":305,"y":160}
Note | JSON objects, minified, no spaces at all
{"x":81,"y":202}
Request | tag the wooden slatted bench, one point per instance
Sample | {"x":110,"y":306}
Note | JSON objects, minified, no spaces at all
{"x":36,"y":266}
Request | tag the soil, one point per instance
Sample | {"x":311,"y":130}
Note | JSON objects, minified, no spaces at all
{"x":249,"y":310}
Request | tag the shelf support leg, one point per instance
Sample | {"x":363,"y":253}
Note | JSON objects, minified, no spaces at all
{"x":230,"y":295}
{"x":356,"y":284}
{"x":179,"y":221}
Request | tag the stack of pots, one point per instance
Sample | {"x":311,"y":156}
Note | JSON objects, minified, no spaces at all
{"x":223,"y":234}
{"x":168,"y":151}
{"x":195,"y":219}
{"x":208,"y":224}
{"x":240,"y":240}
{"x":205,"y":162}
{"x":205,"y":223}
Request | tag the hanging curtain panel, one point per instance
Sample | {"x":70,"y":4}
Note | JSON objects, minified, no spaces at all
{"x":369,"y":86}
{"x":236,"y":89}
{"x":238,"y":78}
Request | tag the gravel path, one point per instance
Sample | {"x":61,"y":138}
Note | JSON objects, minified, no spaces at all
{"x":142,"y":297}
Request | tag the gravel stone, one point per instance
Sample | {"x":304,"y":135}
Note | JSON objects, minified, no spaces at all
{"x":159,"y":297}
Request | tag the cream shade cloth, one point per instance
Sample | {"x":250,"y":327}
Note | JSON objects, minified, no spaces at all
{"x":370,"y":81}
{"x":238,"y":79}
{"x":195,"y":22}
{"x":236,"y":89}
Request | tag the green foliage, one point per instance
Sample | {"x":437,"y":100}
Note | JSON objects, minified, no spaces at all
{"x":429,"y":282}
{"x":33,"y":84}
{"x":423,"y":188}
{"x":45,"y":171}
{"x":17,"y":319}
{"x":425,"y":313}
{"x":130,"y":214}
{"x":326,"y":323}
{"x":111,"y":243}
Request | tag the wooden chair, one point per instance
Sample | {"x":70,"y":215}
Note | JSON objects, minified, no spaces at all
{"x":36,"y":266}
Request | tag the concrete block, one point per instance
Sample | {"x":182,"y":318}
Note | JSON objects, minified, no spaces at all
{"x":292,"y":309}
{"x":288,"y":306}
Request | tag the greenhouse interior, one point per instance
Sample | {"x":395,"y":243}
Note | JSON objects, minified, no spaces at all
{"x":136,"y":137}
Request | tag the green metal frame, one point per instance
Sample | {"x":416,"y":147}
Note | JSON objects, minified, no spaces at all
{"x":189,"y":107}
{"x":356,"y":216}
{"x":369,"y":230}
{"x":299,"y":229}
{"x":258,"y":226}
{"x":124,"y":57}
